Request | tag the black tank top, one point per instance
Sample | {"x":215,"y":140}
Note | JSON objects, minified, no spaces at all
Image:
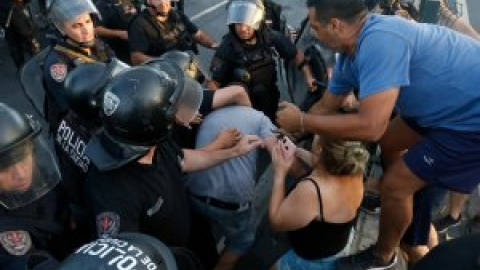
{"x":320,"y":239}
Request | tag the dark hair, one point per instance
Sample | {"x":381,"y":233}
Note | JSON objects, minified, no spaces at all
{"x":347,"y":10}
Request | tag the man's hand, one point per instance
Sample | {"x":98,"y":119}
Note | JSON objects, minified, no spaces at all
{"x":228,"y":138}
{"x":289,"y":117}
{"x":246,"y":144}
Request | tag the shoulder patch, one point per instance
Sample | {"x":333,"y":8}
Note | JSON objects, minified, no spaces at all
{"x":58,"y":72}
{"x":16,"y":243}
{"x":108,"y":224}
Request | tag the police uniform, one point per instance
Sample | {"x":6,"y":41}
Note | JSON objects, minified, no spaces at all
{"x":254,"y":66}
{"x":150,"y":37}
{"x":70,"y":133}
{"x":143,"y":198}
{"x":114,"y":17}
{"x":29,"y":228}
{"x":63,"y":58}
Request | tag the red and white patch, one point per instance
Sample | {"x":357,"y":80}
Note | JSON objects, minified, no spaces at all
{"x":16,"y":243}
{"x":108,"y":224}
{"x":58,"y":72}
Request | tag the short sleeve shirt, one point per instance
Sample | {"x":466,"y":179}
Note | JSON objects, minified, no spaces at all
{"x":144,"y":37}
{"x":143,"y":198}
{"x":432,"y":65}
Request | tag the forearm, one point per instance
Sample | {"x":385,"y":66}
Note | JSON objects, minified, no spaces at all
{"x":328,"y":104}
{"x":201,"y":159}
{"x":345,"y":126}
{"x":302,"y":63}
{"x":138,"y":58}
{"x":278,"y":195}
{"x":306,"y":157}
{"x":205,"y":40}
{"x":110,"y":33}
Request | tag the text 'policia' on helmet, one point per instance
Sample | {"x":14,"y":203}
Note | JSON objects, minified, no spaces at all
{"x":138,"y":251}
{"x":27,"y":168}
{"x":141,"y":103}
{"x":61,"y":11}
{"x":248,"y":12}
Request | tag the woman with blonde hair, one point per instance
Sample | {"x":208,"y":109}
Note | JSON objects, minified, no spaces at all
{"x":320,"y":211}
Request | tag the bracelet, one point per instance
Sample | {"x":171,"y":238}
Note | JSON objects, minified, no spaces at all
{"x":302,"y":126}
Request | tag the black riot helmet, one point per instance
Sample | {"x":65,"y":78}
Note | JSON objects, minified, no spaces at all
{"x":27,"y":168}
{"x":141,"y":103}
{"x":125,"y":251}
{"x":85,"y":84}
{"x":249,"y":12}
{"x":15,"y":132}
{"x":186,"y":60}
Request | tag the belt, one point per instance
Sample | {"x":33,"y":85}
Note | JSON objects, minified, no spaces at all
{"x":221,"y":204}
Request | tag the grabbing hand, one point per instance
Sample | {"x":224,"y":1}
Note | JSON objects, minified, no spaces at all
{"x":289,"y":117}
{"x":228,"y":138}
{"x":280,"y":160}
{"x":246,"y":144}
{"x":311,"y":84}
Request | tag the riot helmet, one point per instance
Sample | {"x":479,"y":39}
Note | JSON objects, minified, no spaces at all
{"x":248,"y":12}
{"x":61,"y":12}
{"x":141,"y":103}
{"x":184,"y":59}
{"x":84,"y":87}
{"x":27,"y":168}
{"x":125,"y":251}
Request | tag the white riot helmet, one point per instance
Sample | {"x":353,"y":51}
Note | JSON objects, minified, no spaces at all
{"x":249,"y":12}
{"x":62,"y":11}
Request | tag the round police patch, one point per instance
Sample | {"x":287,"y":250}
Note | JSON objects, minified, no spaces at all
{"x":108,"y":224}
{"x":16,"y":243}
{"x":58,"y":72}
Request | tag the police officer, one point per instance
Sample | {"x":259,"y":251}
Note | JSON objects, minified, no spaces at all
{"x":135,"y":185}
{"x":78,"y":45}
{"x":31,"y":217}
{"x":159,"y":29}
{"x":246,"y":56}
{"x":83,"y":89}
{"x":115,"y":16}
{"x":137,"y":251}
{"x":19,"y":31}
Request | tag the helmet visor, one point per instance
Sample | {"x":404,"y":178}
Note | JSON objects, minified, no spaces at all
{"x":31,"y":173}
{"x":189,"y":101}
{"x":61,"y":11}
{"x":245,"y":13}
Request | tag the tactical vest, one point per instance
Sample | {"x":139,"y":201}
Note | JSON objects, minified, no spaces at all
{"x":172,"y":35}
{"x":71,"y":137}
{"x":259,"y":62}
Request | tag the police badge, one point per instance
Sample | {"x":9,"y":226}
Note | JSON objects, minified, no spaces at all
{"x":110,"y":103}
{"x":16,"y":243}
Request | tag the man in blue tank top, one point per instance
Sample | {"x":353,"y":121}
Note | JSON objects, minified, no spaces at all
{"x":429,"y":76}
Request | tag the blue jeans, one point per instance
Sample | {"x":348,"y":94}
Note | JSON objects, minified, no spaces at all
{"x":238,"y":227}
{"x":291,"y":261}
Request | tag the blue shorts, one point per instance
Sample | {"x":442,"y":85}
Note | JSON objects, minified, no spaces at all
{"x":238,"y":227}
{"x":447,"y":158}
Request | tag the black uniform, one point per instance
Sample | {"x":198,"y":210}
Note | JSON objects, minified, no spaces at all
{"x":36,"y":226}
{"x":143,"y":198}
{"x":62,"y":58}
{"x":148,"y":36}
{"x":70,"y":133}
{"x":114,"y":17}
{"x":234,"y":59}
{"x":19,"y":32}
